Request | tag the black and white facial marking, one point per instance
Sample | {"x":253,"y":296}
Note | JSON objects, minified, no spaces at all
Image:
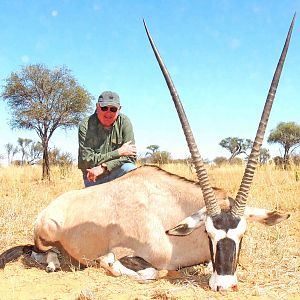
{"x":225,"y":233}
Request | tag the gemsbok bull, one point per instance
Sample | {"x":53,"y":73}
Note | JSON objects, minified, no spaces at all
{"x":139,"y":216}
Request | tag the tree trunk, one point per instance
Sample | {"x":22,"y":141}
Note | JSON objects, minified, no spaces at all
{"x":286,"y":158}
{"x":46,"y":166}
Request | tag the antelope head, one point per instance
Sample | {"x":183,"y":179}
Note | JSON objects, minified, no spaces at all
{"x":225,"y":229}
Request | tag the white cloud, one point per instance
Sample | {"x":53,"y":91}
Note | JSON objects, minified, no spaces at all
{"x":54,"y":13}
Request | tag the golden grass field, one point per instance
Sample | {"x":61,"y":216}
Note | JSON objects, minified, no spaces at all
{"x":269,"y":261}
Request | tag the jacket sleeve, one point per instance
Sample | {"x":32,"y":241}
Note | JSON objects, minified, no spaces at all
{"x":127,"y":135}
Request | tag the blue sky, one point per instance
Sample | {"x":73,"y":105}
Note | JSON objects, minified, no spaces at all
{"x":221,"y":56}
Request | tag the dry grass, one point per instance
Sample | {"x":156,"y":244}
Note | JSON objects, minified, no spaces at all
{"x":269,"y":263}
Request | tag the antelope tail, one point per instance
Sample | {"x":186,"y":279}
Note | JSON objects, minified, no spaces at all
{"x":14,"y":253}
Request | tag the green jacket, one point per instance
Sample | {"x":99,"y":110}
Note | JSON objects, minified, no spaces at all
{"x":99,"y":145}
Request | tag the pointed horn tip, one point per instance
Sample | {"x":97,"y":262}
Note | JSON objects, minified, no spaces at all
{"x":146,"y":28}
{"x":293,"y":20}
{"x":144,"y":21}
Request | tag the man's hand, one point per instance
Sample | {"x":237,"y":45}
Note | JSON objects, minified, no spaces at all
{"x":95,"y":172}
{"x":127,"y":149}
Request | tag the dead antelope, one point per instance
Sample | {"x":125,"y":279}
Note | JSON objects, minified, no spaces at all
{"x":132,"y":214}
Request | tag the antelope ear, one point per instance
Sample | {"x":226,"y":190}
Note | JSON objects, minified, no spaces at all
{"x":264,"y":216}
{"x":189,"y":224}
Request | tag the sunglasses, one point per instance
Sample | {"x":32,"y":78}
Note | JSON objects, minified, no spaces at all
{"x":106,"y":108}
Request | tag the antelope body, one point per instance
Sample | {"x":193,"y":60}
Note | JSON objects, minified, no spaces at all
{"x":129,"y":216}
{"x":132,"y":214}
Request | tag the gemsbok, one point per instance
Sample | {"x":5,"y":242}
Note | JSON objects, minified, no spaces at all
{"x":150,"y":215}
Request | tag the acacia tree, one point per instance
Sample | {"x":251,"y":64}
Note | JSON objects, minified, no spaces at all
{"x":24,"y":148}
{"x":11,"y":151}
{"x":43,"y":100}
{"x":153,"y":149}
{"x":264,"y":156}
{"x":35,"y":153}
{"x":236,"y":146}
{"x":9,"y":148}
{"x":287,"y":134}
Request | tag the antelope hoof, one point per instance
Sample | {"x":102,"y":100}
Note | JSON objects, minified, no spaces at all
{"x":50,"y":268}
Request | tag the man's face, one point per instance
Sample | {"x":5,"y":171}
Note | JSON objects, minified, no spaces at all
{"x":107,"y":115}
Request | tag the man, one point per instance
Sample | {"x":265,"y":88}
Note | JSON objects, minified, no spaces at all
{"x":106,"y":142}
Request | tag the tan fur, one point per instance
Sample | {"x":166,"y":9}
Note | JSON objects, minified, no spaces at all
{"x":131,"y":213}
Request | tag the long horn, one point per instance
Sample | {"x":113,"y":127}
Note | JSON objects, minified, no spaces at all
{"x":208,"y":193}
{"x":241,"y":198}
